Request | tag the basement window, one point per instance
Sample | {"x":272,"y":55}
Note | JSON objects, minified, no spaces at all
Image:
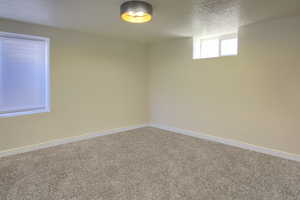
{"x":24,"y":74}
{"x":224,"y":45}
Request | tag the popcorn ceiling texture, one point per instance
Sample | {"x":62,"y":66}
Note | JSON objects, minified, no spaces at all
{"x":172,"y":18}
{"x":146,"y":164}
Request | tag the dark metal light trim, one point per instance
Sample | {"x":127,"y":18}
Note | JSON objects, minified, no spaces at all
{"x":136,"y":7}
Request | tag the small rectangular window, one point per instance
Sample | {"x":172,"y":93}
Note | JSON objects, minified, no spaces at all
{"x":24,"y":74}
{"x":224,"y":45}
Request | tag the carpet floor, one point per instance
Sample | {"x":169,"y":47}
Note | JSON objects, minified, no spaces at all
{"x":147,"y":164}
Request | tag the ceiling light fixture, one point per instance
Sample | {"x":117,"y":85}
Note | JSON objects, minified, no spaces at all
{"x":136,"y":11}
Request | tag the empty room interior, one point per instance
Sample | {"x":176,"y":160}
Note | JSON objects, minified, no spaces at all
{"x":150,"y":100}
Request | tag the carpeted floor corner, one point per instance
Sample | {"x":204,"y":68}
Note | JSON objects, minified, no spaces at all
{"x":147,"y":164}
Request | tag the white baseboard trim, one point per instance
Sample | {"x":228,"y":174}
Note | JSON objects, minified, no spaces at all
{"x":230,"y":142}
{"x":57,"y":142}
{"x":195,"y":134}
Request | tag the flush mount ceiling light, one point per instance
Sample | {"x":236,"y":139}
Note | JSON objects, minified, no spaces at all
{"x":136,"y":11}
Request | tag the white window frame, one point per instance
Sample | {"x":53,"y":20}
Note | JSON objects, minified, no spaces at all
{"x":32,"y":110}
{"x":197,"y":45}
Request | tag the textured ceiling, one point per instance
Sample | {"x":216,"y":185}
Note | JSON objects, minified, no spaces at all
{"x":172,"y":18}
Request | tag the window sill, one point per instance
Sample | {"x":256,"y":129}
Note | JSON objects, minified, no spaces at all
{"x":22,"y":113}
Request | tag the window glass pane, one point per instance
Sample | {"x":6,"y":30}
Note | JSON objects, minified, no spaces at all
{"x":22,"y":75}
{"x":209,"y":48}
{"x":229,"y":47}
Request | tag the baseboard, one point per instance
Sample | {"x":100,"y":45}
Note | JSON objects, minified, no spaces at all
{"x":230,"y":142}
{"x":199,"y":135}
{"x":66,"y":140}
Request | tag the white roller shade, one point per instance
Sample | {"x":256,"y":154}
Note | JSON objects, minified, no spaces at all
{"x":23,"y":74}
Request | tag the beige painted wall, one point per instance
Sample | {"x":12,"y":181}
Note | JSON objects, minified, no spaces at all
{"x":253,"y":97}
{"x":97,"y":84}
{"x":101,"y":83}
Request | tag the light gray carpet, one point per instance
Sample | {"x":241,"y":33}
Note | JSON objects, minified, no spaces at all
{"x":147,"y":164}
